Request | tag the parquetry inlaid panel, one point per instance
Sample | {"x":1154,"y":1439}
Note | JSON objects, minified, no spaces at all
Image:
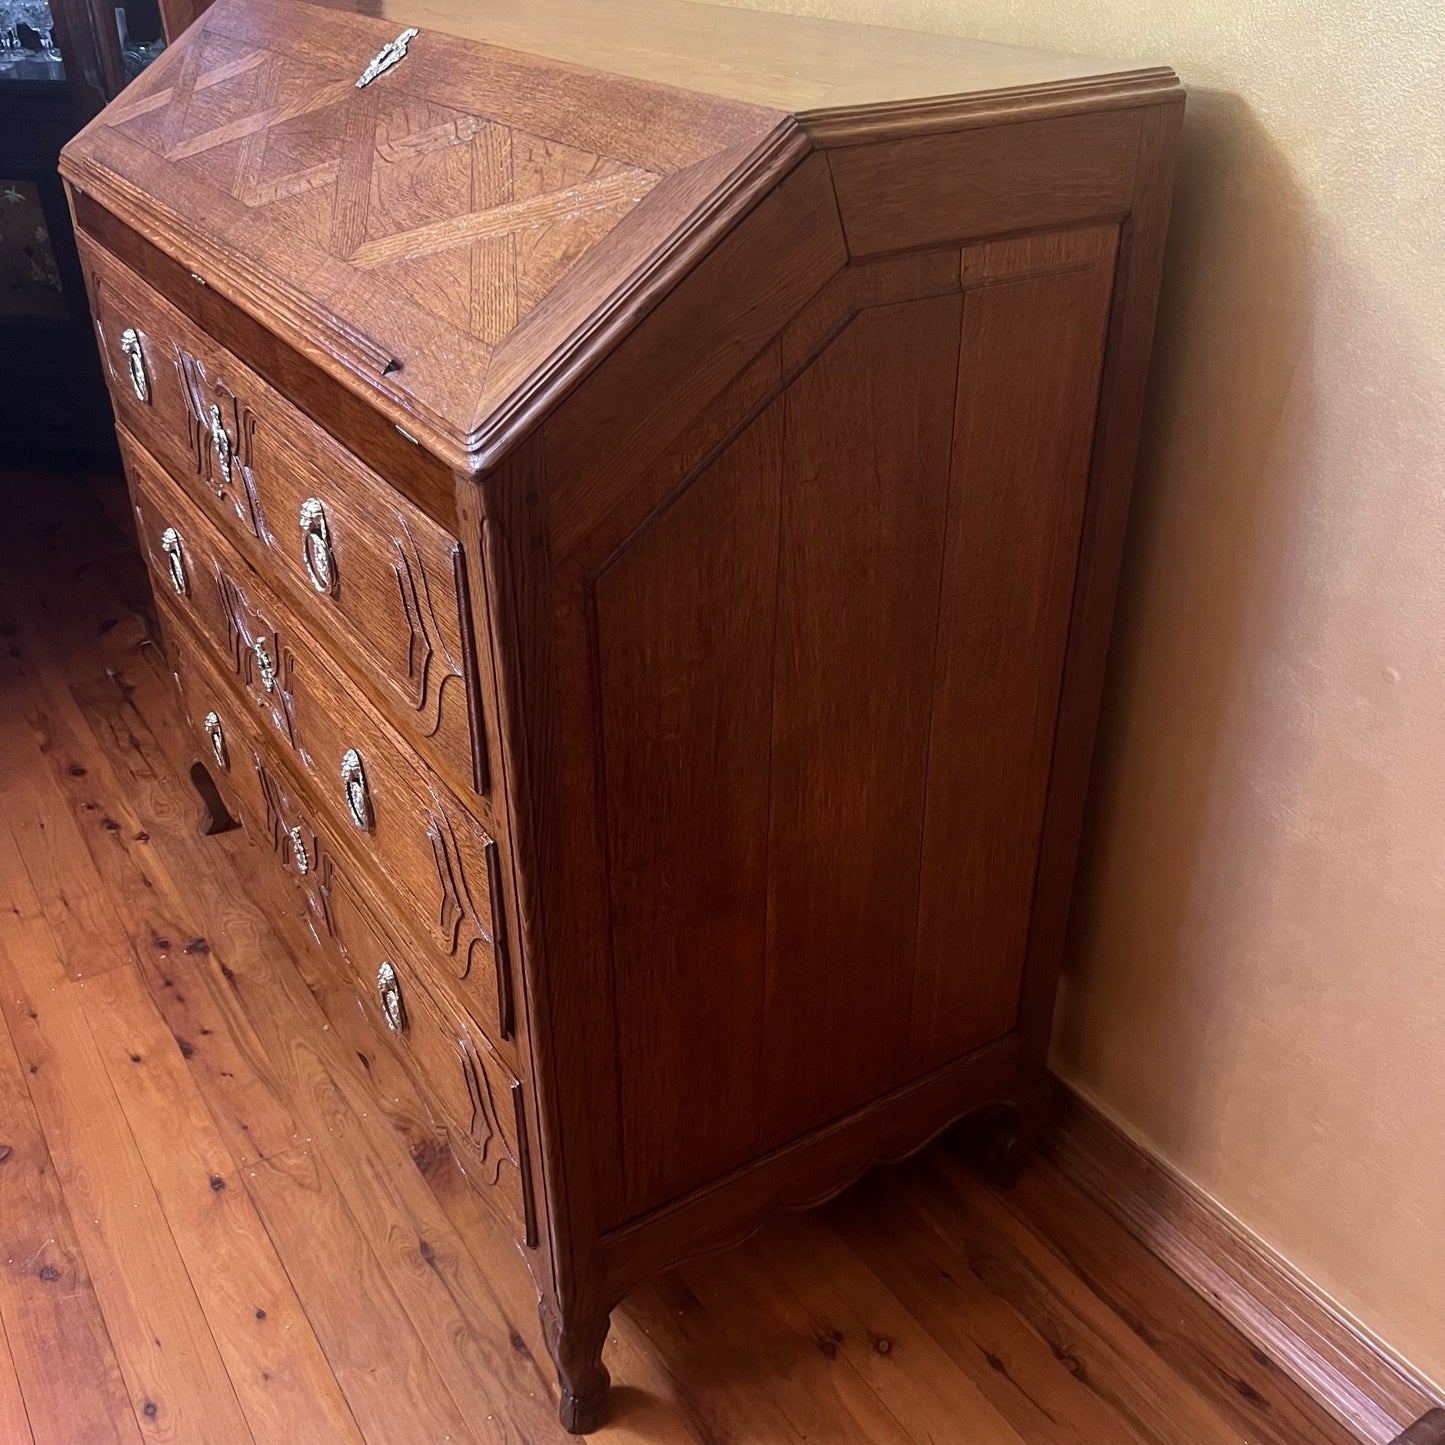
{"x":474,"y":220}
{"x":431,"y":211}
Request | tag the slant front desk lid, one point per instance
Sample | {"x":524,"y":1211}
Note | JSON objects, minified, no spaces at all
{"x":459,"y":205}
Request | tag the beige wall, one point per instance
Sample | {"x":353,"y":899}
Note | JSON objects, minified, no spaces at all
{"x":1258,"y":979}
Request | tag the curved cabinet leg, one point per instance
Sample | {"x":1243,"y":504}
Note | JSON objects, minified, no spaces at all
{"x":215,"y":816}
{"x":576,"y":1347}
{"x":999,"y":1143}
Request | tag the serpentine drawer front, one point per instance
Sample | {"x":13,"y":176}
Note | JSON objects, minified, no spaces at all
{"x":409,"y":829}
{"x":366,"y":570}
{"x":476,"y":1096}
{"x":635,"y":510}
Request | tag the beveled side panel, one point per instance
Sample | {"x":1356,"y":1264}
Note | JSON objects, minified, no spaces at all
{"x":685,"y":623}
{"x":764,"y":649}
{"x":1034,"y":326}
{"x":865,"y":494}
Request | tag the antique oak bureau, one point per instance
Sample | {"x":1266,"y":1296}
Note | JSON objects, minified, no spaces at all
{"x":634,"y":493}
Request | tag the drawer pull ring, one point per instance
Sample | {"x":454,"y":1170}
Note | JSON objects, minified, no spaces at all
{"x":211,"y":725}
{"x":221,"y":441}
{"x":388,"y":987}
{"x":316,"y":551}
{"x":264,"y":665}
{"x":299,"y":853}
{"x":131,"y":349}
{"x":358,"y":799}
{"x":175,"y":561}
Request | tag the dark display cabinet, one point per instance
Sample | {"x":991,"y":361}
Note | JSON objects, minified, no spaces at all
{"x":52,"y":396}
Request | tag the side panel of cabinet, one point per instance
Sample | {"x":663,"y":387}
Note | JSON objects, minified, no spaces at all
{"x":1034,"y":322}
{"x":765,"y":647}
{"x":827,"y":670}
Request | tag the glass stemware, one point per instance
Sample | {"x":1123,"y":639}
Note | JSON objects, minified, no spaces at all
{"x":11,"y":49}
{"x":36,"y":14}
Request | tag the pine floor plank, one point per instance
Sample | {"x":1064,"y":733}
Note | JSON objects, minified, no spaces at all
{"x":387,"y":1375}
{"x":14,"y":1422}
{"x":178,"y":1386}
{"x":931,"y":1381}
{"x":161,"y":924}
{"x":719,"y":1393}
{"x":228,"y":1063}
{"x":823,"y":1390}
{"x":280,"y":1375}
{"x":113,"y":837}
{"x":87,"y":931}
{"x":59,"y":1347}
{"x":1108,"y":1351}
{"x":439,"y":1287}
{"x":1204,"y":1350}
{"x":983,"y":1334}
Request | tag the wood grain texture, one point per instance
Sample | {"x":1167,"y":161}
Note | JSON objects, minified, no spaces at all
{"x":685,"y":715}
{"x":867,"y":440}
{"x":331,"y":1085}
{"x":1022,"y":444}
{"x":167,"y":1356}
{"x":660,"y":123}
{"x":1035,"y":174}
{"x":1106,"y":511}
{"x":54,"y":1329}
{"x":411,"y":302}
{"x":1371,"y":1392}
{"x":396,"y":1391}
{"x":392,"y":612}
{"x":281,"y":1377}
{"x":637,"y":723}
{"x":917,"y":1306}
{"x":659,"y":377}
{"x":424,"y":854}
{"x":470,"y":1088}
{"x":14,"y":1422}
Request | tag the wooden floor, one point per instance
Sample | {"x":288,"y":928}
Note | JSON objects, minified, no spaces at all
{"x":225,"y":1217}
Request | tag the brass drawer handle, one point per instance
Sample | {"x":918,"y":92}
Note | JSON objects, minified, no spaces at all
{"x":211,"y":726}
{"x":130,"y":346}
{"x":175,"y":561}
{"x":221,"y":441}
{"x":264,"y":665}
{"x":316,"y":553}
{"x":358,"y":798}
{"x":392,"y":53}
{"x":299,"y":853}
{"x":388,"y":988}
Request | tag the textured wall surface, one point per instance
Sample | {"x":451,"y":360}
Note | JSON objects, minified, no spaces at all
{"x":1257,"y":980}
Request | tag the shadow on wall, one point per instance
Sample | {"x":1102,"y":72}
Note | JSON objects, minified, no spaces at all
{"x":1211,"y":500}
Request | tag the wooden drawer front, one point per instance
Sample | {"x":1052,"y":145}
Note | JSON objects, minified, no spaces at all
{"x":425,"y":847}
{"x":393,"y":606}
{"x":232,"y":748}
{"x":473,"y":1091}
{"x":477,"y":1096}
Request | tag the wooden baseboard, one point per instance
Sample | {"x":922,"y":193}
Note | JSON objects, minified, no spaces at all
{"x":1351,"y":1374}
